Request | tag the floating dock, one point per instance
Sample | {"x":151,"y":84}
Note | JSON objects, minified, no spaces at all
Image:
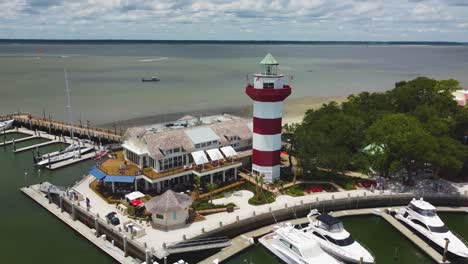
{"x":18,"y":140}
{"x":36,"y":146}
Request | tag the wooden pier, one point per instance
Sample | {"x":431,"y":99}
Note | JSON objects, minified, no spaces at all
{"x":32,"y":121}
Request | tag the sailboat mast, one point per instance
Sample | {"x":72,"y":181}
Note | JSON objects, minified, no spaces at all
{"x":68,"y":106}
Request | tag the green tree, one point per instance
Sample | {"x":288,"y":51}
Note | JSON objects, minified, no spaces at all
{"x":211,"y":187}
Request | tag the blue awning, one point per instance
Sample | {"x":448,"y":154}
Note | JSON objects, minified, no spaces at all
{"x":115,"y":178}
{"x":97,"y":173}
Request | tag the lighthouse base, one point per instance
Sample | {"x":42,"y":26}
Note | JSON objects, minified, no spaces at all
{"x":270,"y":174}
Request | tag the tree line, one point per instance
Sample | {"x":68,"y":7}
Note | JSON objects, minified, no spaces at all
{"x":414,"y":127}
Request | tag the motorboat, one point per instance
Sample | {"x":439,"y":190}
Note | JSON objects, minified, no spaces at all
{"x":330,"y":233}
{"x":65,"y":156}
{"x":294,"y":246}
{"x":152,"y":79}
{"x":4,"y":125}
{"x":422,"y":217}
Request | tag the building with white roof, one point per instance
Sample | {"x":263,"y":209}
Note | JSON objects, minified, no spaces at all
{"x":171,"y":153}
{"x":461,"y":96}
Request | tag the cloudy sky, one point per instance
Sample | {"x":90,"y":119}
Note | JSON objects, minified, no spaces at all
{"x":431,"y":20}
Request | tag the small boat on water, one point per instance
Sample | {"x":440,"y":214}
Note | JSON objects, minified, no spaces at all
{"x":65,"y":156}
{"x":152,"y":79}
{"x":5,"y":125}
{"x":294,"y":246}
{"x":422,"y":217}
{"x":330,"y":233}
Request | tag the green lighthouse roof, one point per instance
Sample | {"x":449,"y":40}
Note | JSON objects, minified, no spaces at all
{"x":269,"y":60}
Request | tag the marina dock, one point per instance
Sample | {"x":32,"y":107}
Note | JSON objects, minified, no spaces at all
{"x":52,"y":139}
{"x":414,"y":238}
{"x":32,"y":121}
{"x":17,"y":140}
{"x":36,"y":146}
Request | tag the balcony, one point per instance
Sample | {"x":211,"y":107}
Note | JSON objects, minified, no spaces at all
{"x":268,"y":95}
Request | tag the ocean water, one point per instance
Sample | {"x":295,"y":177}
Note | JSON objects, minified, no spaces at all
{"x":106,"y":79}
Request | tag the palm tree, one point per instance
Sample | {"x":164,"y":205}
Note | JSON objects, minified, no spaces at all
{"x":290,"y":132}
{"x":196,"y":186}
{"x":211,"y":187}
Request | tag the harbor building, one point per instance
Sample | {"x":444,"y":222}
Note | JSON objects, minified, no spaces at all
{"x":268,"y":92}
{"x":461,"y":97}
{"x":168,"y":155}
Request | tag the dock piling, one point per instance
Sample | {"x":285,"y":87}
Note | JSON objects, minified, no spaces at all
{"x":96,"y":226}
{"x":73,"y":212}
{"x":444,"y":257}
{"x":147,"y":255}
{"x":125,"y":246}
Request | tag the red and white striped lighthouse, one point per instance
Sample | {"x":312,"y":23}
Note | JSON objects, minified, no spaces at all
{"x":268,"y":93}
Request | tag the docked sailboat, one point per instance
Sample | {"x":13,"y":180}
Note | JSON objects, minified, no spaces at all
{"x":5,"y":125}
{"x":65,"y":156}
{"x":74,"y":150}
{"x":70,"y":148}
{"x":294,"y":246}
{"x":422,"y":217}
{"x":330,"y":233}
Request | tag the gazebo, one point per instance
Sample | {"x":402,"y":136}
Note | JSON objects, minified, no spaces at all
{"x":169,"y":210}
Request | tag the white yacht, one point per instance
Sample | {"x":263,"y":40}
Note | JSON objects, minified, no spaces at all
{"x":294,"y":246}
{"x":5,"y":125}
{"x":422,"y":217}
{"x":65,"y":156}
{"x":329,"y":232}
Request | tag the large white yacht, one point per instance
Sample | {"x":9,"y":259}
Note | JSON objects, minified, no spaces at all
{"x":294,"y":246}
{"x":329,"y":232}
{"x":422,"y":217}
{"x":4,"y":125}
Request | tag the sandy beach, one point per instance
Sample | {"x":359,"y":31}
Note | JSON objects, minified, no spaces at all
{"x":295,"y":108}
{"x":294,"y":111}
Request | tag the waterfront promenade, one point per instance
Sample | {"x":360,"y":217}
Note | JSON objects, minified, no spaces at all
{"x":156,"y":238}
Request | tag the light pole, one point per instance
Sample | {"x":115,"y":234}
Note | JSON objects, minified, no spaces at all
{"x":39,"y":175}
{"x":26,"y":178}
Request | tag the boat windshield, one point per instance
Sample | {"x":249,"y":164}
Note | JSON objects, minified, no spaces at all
{"x":341,"y":242}
{"x":423,"y":212}
{"x":336,"y":227}
{"x":439,"y":229}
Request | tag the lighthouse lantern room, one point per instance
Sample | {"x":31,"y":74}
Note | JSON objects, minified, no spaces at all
{"x":268,"y":93}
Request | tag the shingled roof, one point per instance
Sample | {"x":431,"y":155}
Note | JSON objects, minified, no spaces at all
{"x":169,"y":201}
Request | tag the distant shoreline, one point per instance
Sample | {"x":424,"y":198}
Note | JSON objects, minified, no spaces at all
{"x":293,"y":112}
{"x":240,"y":42}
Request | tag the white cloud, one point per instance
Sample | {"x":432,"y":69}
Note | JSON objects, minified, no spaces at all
{"x":236,"y":19}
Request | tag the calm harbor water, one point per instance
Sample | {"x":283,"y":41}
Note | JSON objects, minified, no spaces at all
{"x":106,"y":79}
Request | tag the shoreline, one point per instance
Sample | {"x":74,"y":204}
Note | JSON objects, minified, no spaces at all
{"x":293,"y":112}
